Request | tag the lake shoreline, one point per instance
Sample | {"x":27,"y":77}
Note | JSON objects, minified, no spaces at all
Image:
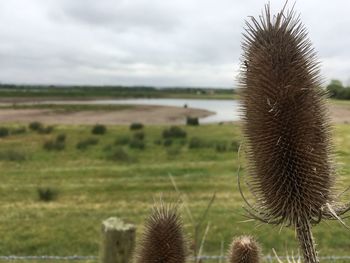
{"x":146,"y":114}
{"x":109,"y":111}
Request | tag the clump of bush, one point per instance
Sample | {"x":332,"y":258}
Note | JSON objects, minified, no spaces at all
{"x":192,"y":121}
{"x":137,"y":144}
{"x":120,"y":155}
{"x":139,"y":135}
{"x":174,"y":132}
{"x":12,"y":155}
{"x":136,"y":126}
{"x":35,"y":125}
{"x":196,"y":143}
{"x":84,"y":144}
{"x":4,"y":132}
{"x":47,"y":194}
{"x":122,"y":140}
{"x":61,"y":137}
{"x":54,"y":145}
{"x":336,"y":90}
{"x":40,"y":128}
{"x":99,"y":129}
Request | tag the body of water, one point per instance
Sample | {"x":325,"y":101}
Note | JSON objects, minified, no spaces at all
{"x":225,"y":110}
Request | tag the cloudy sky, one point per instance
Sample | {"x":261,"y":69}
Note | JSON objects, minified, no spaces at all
{"x":150,"y":42}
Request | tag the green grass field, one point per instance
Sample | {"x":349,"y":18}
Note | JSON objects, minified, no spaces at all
{"x":106,"y":179}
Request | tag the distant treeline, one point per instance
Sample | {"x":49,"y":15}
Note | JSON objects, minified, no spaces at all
{"x":11,"y":90}
{"x":338,"y":91}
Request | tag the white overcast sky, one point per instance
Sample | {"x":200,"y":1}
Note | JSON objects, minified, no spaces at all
{"x":150,"y":42}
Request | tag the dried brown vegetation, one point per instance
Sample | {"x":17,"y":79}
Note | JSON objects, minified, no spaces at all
{"x":163,"y":240}
{"x":287,"y":127}
{"x":244,"y":249}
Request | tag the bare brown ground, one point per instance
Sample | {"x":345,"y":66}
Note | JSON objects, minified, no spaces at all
{"x":340,"y":113}
{"x":140,"y":113}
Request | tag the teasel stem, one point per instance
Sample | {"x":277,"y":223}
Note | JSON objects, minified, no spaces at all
{"x":306,"y":241}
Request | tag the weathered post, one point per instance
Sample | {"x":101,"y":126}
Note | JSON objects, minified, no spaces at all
{"x":118,"y":241}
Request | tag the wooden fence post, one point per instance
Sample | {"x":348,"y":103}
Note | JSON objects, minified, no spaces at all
{"x":118,"y":241}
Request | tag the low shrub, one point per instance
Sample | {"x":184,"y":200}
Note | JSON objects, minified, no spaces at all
{"x":137,"y":144}
{"x":99,"y":129}
{"x":47,"y":194}
{"x":192,"y":121}
{"x":53,"y":145}
{"x":196,"y":142}
{"x":61,"y":137}
{"x":12,"y":155}
{"x":139,"y":135}
{"x":19,"y":130}
{"x":174,"y":132}
{"x":4,"y":132}
{"x":84,"y":144}
{"x":119,"y":154}
{"x":35,"y":125}
{"x":136,"y":126}
{"x":122,"y":140}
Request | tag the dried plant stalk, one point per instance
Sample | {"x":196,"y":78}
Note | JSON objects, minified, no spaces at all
{"x":163,"y":240}
{"x":286,"y":125}
{"x":244,"y":249}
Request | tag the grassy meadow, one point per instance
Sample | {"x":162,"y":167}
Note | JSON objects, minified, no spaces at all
{"x":92,"y":177}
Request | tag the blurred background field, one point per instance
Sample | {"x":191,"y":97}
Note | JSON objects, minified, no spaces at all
{"x":59,"y":182}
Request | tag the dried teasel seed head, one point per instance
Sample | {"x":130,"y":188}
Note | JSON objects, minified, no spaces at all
{"x":286,"y":122}
{"x":244,"y":249}
{"x":163,"y":240}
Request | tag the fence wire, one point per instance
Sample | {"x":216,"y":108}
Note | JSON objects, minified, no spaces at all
{"x":95,"y":258}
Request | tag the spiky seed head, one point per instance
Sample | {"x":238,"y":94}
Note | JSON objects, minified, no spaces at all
{"x":286,"y":123}
{"x":244,"y":249}
{"x":163,"y":239}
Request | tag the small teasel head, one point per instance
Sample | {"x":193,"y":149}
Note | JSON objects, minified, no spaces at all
{"x":244,"y":249}
{"x":163,"y":239}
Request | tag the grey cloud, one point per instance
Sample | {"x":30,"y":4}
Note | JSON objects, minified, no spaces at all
{"x":149,"y":42}
{"x":119,"y":15}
